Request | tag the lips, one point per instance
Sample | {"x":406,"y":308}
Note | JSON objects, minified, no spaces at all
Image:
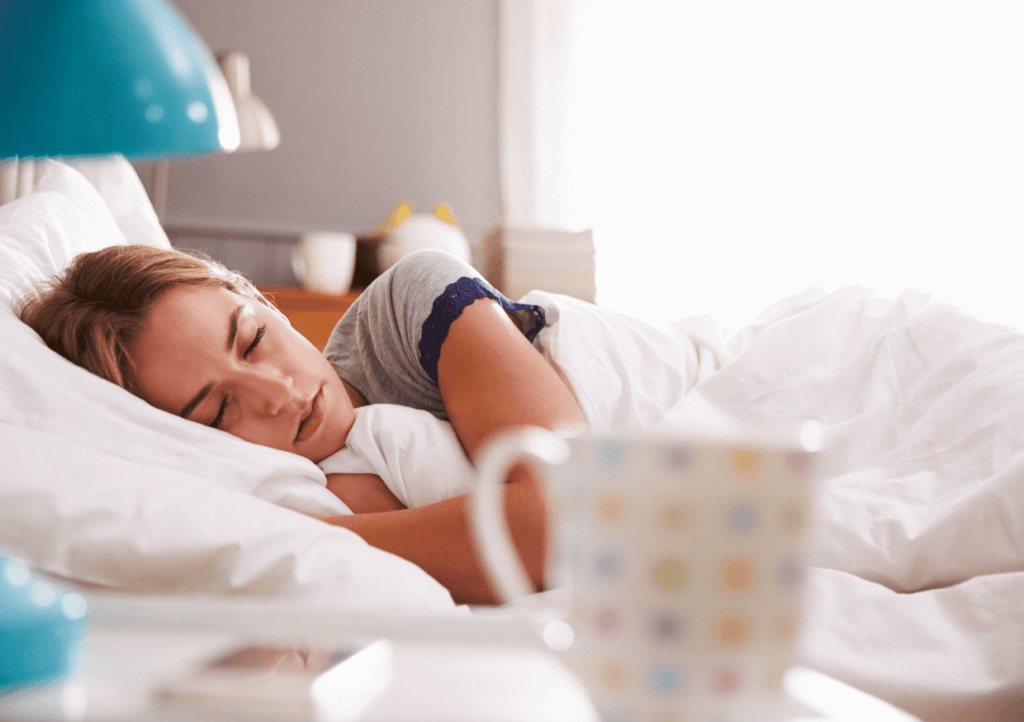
{"x":312,"y":422}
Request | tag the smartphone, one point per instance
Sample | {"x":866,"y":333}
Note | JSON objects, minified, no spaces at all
{"x":285,"y":682}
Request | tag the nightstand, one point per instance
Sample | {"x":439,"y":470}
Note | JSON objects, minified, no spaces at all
{"x":313,"y":315}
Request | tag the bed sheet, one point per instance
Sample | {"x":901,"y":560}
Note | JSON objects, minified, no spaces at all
{"x":916,"y":585}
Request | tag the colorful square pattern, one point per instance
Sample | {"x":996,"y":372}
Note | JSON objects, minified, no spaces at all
{"x":686,"y":568}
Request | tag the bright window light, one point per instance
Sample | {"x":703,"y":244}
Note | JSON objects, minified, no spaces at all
{"x":734,"y":153}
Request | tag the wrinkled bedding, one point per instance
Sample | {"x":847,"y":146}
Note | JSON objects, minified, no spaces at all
{"x":916,"y":589}
{"x":417,"y":455}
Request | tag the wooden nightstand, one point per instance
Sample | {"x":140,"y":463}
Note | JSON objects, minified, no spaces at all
{"x":311,"y":314}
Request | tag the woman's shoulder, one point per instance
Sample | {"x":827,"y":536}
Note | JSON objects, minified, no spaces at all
{"x":427,"y":268}
{"x":376,"y":346}
{"x":407,"y":290}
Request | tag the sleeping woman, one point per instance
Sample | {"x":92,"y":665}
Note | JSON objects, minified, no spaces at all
{"x":196,"y":340}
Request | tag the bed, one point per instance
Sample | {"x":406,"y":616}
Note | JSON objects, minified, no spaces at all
{"x":916,"y":583}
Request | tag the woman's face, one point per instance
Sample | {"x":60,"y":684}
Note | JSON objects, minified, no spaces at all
{"x":227,"y":361}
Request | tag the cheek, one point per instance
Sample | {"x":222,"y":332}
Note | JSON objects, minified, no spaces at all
{"x":297,"y":349}
{"x":263,"y":432}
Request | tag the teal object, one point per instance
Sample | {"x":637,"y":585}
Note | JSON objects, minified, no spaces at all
{"x":40,"y":627}
{"x":96,"y":77}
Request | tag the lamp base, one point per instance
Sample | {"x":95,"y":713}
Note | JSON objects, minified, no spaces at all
{"x":40,"y":627}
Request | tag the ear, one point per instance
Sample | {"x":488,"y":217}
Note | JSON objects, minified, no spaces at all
{"x":444,"y":213}
{"x":394,"y":219}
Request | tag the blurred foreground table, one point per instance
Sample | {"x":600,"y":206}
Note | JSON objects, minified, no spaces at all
{"x":473,"y":668}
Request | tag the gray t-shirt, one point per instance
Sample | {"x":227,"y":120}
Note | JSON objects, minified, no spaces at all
{"x":388,"y":343}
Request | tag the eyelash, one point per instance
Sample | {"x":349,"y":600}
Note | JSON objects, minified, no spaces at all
{"x":252,"y":347}
{"x":220,"y":414}
{"x":256,"y":340}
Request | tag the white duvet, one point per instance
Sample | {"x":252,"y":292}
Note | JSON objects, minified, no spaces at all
{"x":916,"y":593}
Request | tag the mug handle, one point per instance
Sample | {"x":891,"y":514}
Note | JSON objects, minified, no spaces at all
{"x":501,"y":562}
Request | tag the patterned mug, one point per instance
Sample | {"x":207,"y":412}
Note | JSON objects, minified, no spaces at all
{"x":684,"y":561}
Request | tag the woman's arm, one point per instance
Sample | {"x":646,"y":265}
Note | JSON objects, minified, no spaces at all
{"x":363,"y":493}
{"x":491,"y":378}
{"x":436,"y":537}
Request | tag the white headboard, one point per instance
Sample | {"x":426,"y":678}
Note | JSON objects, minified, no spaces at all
{"x":16,"y":178}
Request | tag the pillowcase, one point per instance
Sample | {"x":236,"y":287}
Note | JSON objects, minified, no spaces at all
{"x":42,"y":231}
{"x":99,"y":486}
{"x":118,"y":184}
{"x":68,"y":212}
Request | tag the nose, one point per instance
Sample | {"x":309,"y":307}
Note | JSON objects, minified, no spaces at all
{"x":267,"y":391}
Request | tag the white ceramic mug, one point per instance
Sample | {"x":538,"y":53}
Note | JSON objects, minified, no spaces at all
{"x":324,"y":262}
{"x":684,"y":559}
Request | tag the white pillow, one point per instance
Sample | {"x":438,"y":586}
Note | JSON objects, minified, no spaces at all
{"x":97,"y":485}
{"x":119,"y":186}
{"x":41,"y":232}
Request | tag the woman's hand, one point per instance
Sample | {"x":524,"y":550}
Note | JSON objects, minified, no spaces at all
{"x":491,"y":378}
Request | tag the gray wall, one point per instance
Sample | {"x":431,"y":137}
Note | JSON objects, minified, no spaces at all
{"x":377,"y":101}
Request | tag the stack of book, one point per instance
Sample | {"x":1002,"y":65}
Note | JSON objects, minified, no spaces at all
{"x":517,"y":261}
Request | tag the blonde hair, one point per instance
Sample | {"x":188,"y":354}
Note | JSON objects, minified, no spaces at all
{"x":93,"y":311}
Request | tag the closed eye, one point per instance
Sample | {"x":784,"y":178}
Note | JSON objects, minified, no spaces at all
{"x":255,"y":341}
{"x":220,"y":414}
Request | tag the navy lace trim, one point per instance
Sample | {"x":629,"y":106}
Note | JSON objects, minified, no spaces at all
{"x":449,"y":306}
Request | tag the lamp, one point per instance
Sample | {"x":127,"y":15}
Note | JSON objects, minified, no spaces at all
{"x":257,"y":127}
{"x":96,"y":77}
{"x":255,"y":123}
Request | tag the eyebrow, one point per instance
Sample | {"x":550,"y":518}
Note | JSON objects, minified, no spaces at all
{"x":205,"y":391}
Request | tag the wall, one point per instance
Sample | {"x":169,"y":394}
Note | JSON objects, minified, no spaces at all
{"x":376,"y":102}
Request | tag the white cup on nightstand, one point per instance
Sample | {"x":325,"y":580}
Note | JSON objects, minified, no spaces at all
{"x":325,"y":261}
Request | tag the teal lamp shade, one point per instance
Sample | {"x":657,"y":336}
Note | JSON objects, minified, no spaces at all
{"x":96,"y":77}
